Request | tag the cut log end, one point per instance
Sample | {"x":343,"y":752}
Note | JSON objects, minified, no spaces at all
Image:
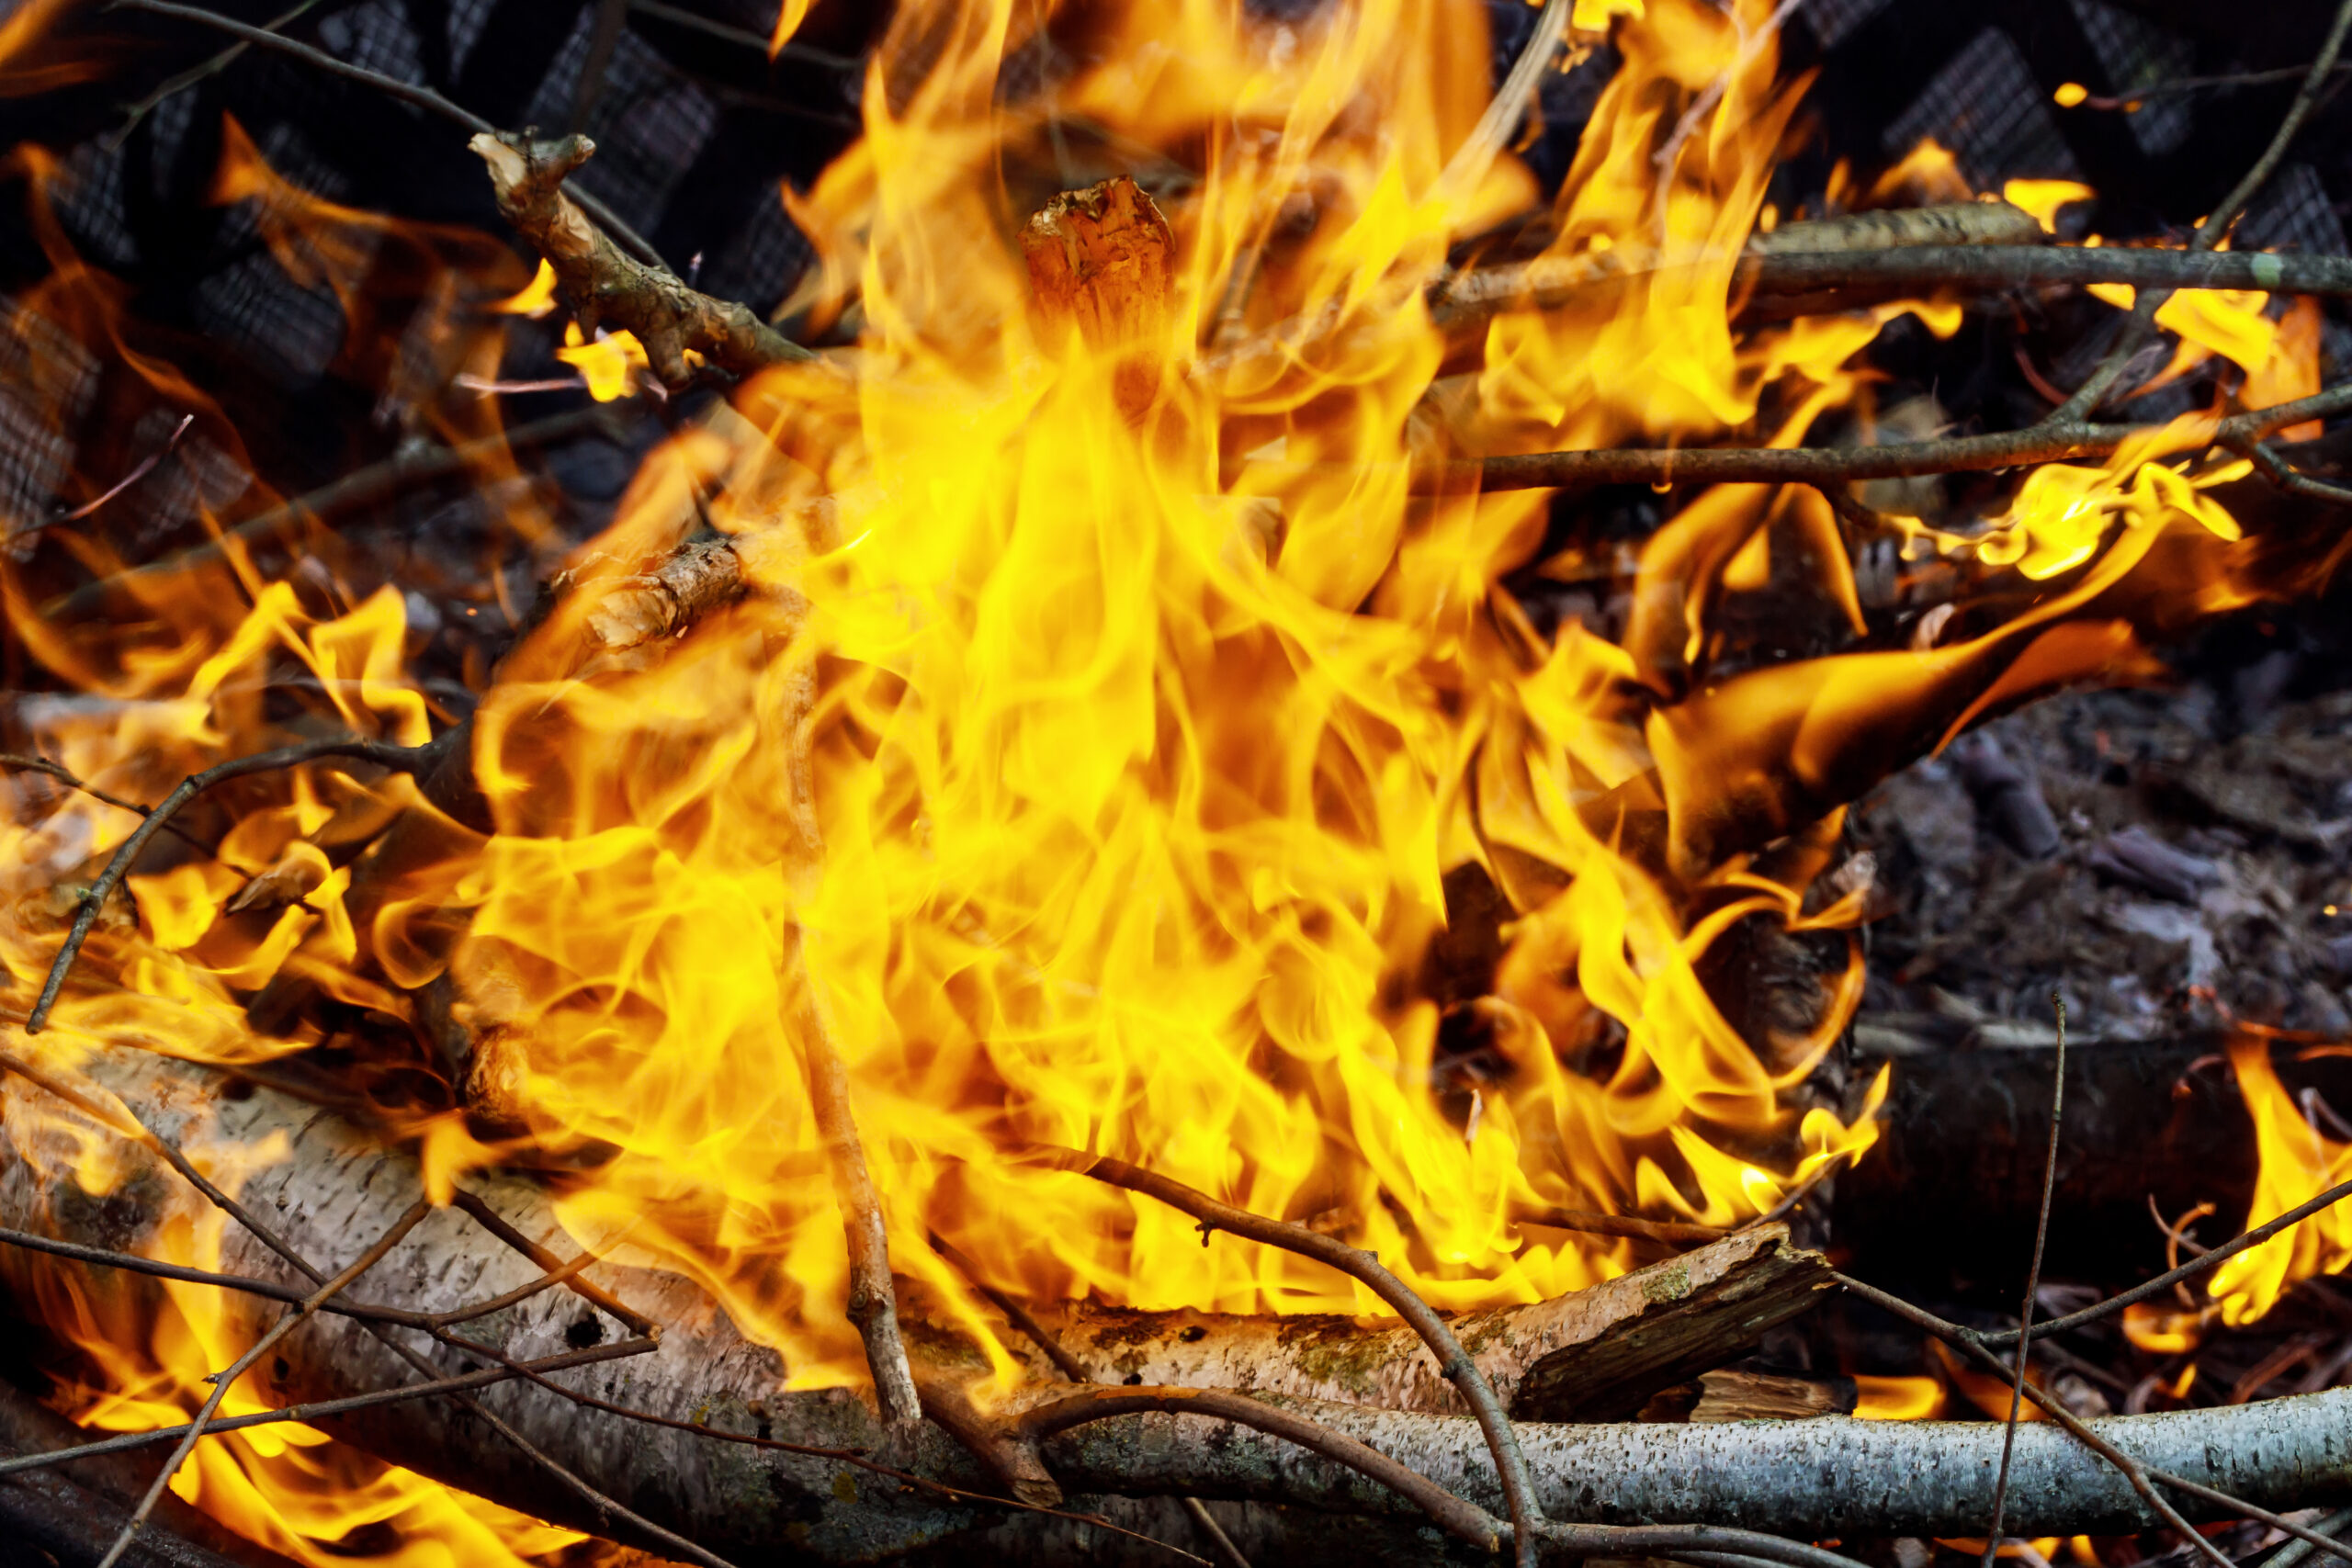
{"x":1102,"y":261}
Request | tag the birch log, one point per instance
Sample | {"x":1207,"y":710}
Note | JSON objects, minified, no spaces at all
{"x":334,"y":1184}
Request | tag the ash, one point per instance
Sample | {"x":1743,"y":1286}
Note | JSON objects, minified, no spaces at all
{"x":2170,"y":862}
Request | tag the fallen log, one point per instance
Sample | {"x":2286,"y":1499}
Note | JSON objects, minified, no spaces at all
{"x":336,"y":1183}
{"x":1955,"y":1181}
{"x":72,"y":1515}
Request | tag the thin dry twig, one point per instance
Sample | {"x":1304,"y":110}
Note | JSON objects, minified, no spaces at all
{"x":531,"y":1372}
{"x":322,"y":1409}
{"x":2211,"y":232}
{"x":2032,"y":1287}
{"x":1076,"y":1372}
{"x":221,"y":1381}
{"x":1819,"y":465}
{"x":560,"y":1275}
{"x":1592,"y":1223}
{"x":1465,"y":1521}
{"x":793,"y":47}
{"x":398,"y":758}
{"x":1453,"y":1362}
{"x":1669,"y":157}
{"x":2144,"y":1479}
{"x":1227,"y":1551}
{"x":271,"y":1289}
{"x":1018,"y":1315}
{"x":873,"y":1304}
{"x":145,"y":466}
{"x":2165,"y":1281}
{"x":2180,"y":86}
{"x":392,"y":86}
{"x":1487,"y":140}
{"x":64,"y":775}
{"x":361,"y":486}
{"x":173,"y":85}
{"x":606,"y":1509}
{"x":588,"y":1290}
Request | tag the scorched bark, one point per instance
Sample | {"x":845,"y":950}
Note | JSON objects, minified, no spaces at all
{"x":337,"y":1183}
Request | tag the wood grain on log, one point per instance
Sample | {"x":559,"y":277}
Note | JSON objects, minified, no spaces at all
{"x":1595,"y":1354}
{"x":336,"y":1182}
{"x":1102,"y":261}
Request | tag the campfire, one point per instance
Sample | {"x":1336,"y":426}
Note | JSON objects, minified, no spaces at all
{"x":1391,"y":781}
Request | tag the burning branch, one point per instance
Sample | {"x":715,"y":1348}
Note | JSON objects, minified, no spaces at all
{"x":605,"y":284}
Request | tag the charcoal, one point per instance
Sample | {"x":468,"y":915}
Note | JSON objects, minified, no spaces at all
{"x":2139,"y":859}
{"x":2008,"y":798}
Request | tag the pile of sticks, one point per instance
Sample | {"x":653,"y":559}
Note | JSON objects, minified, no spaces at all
{"x":656,"y":1424}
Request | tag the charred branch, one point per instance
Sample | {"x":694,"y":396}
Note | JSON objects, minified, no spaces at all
{"x":606,"y":284}
{"x":1807,"y":1477}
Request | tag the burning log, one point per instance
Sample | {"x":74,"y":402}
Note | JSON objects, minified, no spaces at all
{"x":1808,"y":1477}
{"x":74,"y":1512}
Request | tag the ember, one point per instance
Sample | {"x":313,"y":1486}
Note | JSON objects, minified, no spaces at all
{"x":1311,"y":718}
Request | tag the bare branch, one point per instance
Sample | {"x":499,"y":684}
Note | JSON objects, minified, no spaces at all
{"x":604,"y":282}
{"x":222,"y":1382}
{"x":873,"y":1304}
{"x":325,"y":1409}
{"x":1465,"y":1521}
{"x":398,"y":758}
{"x":1822,"y":466}
{"x":1494,"y":1423}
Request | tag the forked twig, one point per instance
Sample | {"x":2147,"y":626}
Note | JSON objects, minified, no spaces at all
{"x":64,"y":775}
{"x":222,"y":1382}
{"x":2171,"y":1277}
{"x":2213,"y":231}
{"x":1453,"y":1362}
{"x":481,"y":1213}
{"x":398,"y":759}
{"x":2144,"y":1479}
{"x":606,"y":1508}
{"x":173,"y":85}
{"x":2032,"y":1287}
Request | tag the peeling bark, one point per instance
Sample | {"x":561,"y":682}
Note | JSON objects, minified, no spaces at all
{"x":337,"y":1183}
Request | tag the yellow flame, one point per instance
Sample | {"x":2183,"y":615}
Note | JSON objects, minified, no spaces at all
{"x":2045,"y":197}
{"x":535,"y":298}
{"x":1897,"y":1399}
{"x":609,"y":364}
{"x":1108,"y":720}
{"x":2297,"y":1162}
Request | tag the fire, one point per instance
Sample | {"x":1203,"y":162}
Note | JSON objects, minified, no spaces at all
{"x":2297,"y":1162}
{"x":1091,"y":760}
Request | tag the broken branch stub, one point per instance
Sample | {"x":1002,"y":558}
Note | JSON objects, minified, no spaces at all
{"x":1595,"y":1354}
{"x":605,"y":284}
{"x":1103,"y":260}
{"x":1808,"y":1478}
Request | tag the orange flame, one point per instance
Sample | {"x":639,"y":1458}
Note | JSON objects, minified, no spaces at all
{"x":1110,"y":719}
